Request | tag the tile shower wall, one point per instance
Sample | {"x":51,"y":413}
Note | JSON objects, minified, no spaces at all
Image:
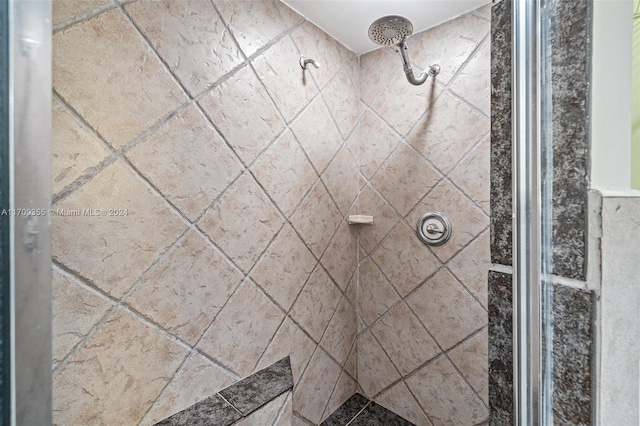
{"x":201,"y":181}
{"x":422,"y":311}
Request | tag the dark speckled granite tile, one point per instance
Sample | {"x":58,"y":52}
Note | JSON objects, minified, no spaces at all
{"x":346,"y":411}
{"x":573,"y":332}
{"x":377,"y":415}
{"x":571,"y":63}
{"x":501,"y":227}
{"x":211,"y":411}
{"x":251,"y":393}
{"x":500,"y":349}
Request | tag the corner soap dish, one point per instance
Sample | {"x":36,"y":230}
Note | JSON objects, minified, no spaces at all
{"x":359,"y":219}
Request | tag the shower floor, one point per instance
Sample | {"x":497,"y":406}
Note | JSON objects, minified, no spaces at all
{"x":360,"y":411}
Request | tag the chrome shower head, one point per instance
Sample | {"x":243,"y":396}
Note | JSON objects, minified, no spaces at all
{"x":390,"y":30}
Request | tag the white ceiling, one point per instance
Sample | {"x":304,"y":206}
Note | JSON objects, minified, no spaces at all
{"x":348,"y":20}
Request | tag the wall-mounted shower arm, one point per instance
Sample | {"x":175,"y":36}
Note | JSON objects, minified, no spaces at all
{"x":304,"y":62}
{"x":408,"y":70}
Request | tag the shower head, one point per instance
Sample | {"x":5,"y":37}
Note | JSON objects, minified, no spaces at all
{"x":390,"y":30}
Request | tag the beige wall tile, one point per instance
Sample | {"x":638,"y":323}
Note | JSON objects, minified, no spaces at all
{"x":472,"y":175}
{"x":343,"y":101}
{"x":190,"y":37}
{"x":286,"y":414}
{"x":253,"y":23}
{"x":375,"y":294}
{"x":267,"y":414}
{"x":405,"y":260}
{"x":445,"y":397}
{"x":441,"y":142}
{"x":314,"y":43}
{"x":314,"y":390}
{"x":446,"y":309}
{"x":351,"y":365}
{"x":285,"y":173}
{"x":471,"y":266}
{"x":384,"y":218}
{"x":345,"y":388}
{"x":288,"y":86}
{"x":187,"y":161}
{"x":285,"y":268}
{"x":242,"y":222}
{"x":340,"y":258}
{"x":104,"y":70}
{"x":375,"y":143}
{"x":198,"y":379}
{"x":376,"y":70}
{"x":341,"y":332}
{"x":315,"y":305}
{"x":375,"y":370}
{"x":342,"y":180}
{"x":76,"y":310}
{"x":243,"y":329}
{"x":473,"y":82}
{"x":122,"y":370}
{"x":290,"y":17}
{"x":187,"y":289}
{"x":471,"y":359}
{"x":241,"y":109}
{"x":64,"y":10}
{"x":399,"y":400}
{"x":113,"y":251}
{"x":75,"y":150}
{"x":404,"y":339}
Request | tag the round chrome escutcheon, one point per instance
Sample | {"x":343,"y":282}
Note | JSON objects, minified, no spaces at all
{"x":434,"y":229}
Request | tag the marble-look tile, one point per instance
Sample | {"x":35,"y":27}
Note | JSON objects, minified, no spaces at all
{"x":314,"y":390}
{"x":250,"y":393}
{"x":125,"y":245}
{"x":126,"y":360}
{"x":500,"y":347}
{"x":573,"y":322}
{"x":288,"y":86}
{"x":342,"y":179}
{"x":351,"y":365}
{"x":75,"y":150}
{"x":444,"y":395}
{"x":317,"y":219}
{"x":284,"y":268}
{"x":65,"y":10}
{"x":399,"y":400}
{"x":267,"y":414}
{"x":345,"y":388}
{"x":317,"y":133}
{"x":447,"y":309}
{"x":285,"y":173}
{"x":314,"y":43}
{"x":467,"y":220}
{"x":473,"y":174}
{"x":384,"y":218}
{"x":471,"y":266}
{"x":376,"y":69}
{"x":473,"y":82}
{"x":343,"y":101}
{"x":471,"y":359}
{"x":299,"y":421}
{"x":443,"y":143}
{"x":124,"y":74}
{"x":449,"y":44}
{"x":213,"y":410}
{"x":376,"y":415}
{"x":404,"y":179}
{"x":401,"y":104}
{"x":375,"y":294}
{"x":241,"y":109}
{"x":252,"y":23}
{"x":289,"y":341}
{"x":285,"y":417}
{"x":404,"y":339}
{"x":197,"y":380}
{"x":242,"y":330}
{"x":405,"y":260}
{"x":187,"y":161}
{"x":501,"y":121}
{"x":242,"y":222}
{"x":341,"y":257}
{"x":290,"y":17}
{"x":76,"y":310}
{"x":341,"y":332}
{"x":190,"y":37}
{"x":316,"y":304}
{"x":485,"y":11}
{"x":375,"y":369}
{"x":347,"y":411}
{"x":374,"y":144}
{"x":187,"y":289}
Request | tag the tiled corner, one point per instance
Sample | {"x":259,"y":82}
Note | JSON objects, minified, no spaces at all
{"x":115,"y":366}
{"x":375,"y":369}
{"x":342,"y":180}
{"x":375,"y":294}
{"x":473,"y":83}
{"x":187,"y":289}
{"x":471,"y":360}
{"x":376,"y":141}
{"x":341,"y":332}
{"x":108,"y":52}
{"x":315,"y":387}
{"x":375,"y":414}
{"x":187,"y":161}
{"x":399,"y":400}
{"x":342,"y":98}
{"x":269,"y":413}
{"x":190,"y":37}
{"x":128,"y":243}
{"x":341,"y":257}
{"x":376,"y":69}
{"x":473,"y":174}
{"x":471,"y":266}
{"x":211,"y":410}
{"x":344,"y":389}
{"x":384,"y":218}
{"x":314,"y":43}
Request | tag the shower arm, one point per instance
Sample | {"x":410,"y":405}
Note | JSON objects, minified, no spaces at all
{"x":408,"y":70}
